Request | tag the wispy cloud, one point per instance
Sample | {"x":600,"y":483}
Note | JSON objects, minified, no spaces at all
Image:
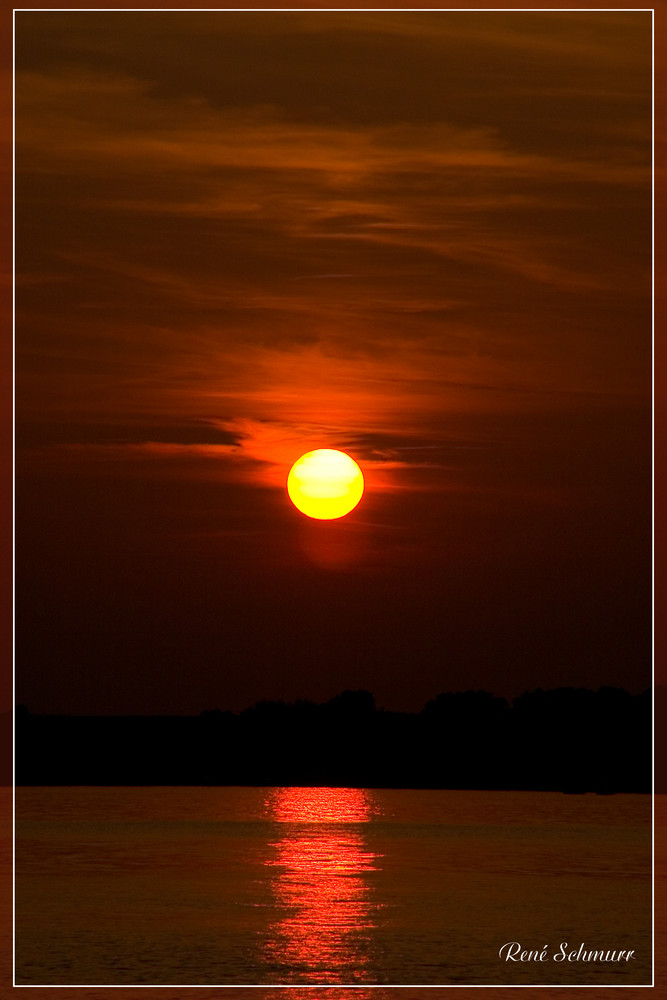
{"x":247,"y":243}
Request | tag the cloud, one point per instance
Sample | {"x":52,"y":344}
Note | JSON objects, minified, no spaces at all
{"x":455,"y":226}
{"x":260,"y":453}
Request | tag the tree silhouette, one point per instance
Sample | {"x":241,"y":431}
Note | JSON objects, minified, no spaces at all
{"x":564,"y":739}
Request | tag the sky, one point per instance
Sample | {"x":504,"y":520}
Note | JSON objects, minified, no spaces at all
{"x":423,"y":238}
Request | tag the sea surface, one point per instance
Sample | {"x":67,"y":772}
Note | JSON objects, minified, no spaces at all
{"x":329,"y":887}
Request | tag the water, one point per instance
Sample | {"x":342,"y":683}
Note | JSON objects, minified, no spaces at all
{"x":320,"y":886}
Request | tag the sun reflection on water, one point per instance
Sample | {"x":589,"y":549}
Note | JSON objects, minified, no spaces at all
{"x":322,"y":886}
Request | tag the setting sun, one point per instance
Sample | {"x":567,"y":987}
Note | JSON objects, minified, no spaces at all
{"x":325,"y":484}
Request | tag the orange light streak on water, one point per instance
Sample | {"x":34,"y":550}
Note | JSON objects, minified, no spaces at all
{"x":322,"y":886}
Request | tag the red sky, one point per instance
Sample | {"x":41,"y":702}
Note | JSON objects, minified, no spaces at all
{"x":421,"y":237}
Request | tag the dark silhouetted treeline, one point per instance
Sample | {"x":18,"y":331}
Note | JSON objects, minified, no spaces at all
{"x":567,"y":739}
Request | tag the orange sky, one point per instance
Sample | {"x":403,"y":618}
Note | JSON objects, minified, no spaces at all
{"x":423,"y":237}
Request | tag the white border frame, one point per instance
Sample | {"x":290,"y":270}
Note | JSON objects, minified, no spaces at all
{"x":330,"y":986}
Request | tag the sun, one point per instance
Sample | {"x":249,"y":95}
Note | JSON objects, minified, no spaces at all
{"x":325,"y":484}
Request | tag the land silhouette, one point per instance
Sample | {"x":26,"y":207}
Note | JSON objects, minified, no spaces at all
{"x":565,"y":739}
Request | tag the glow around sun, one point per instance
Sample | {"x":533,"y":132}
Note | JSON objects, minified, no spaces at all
{"x":325,"y":484}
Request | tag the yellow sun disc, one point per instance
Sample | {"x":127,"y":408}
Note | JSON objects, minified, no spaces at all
{"x":325,"y":484}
